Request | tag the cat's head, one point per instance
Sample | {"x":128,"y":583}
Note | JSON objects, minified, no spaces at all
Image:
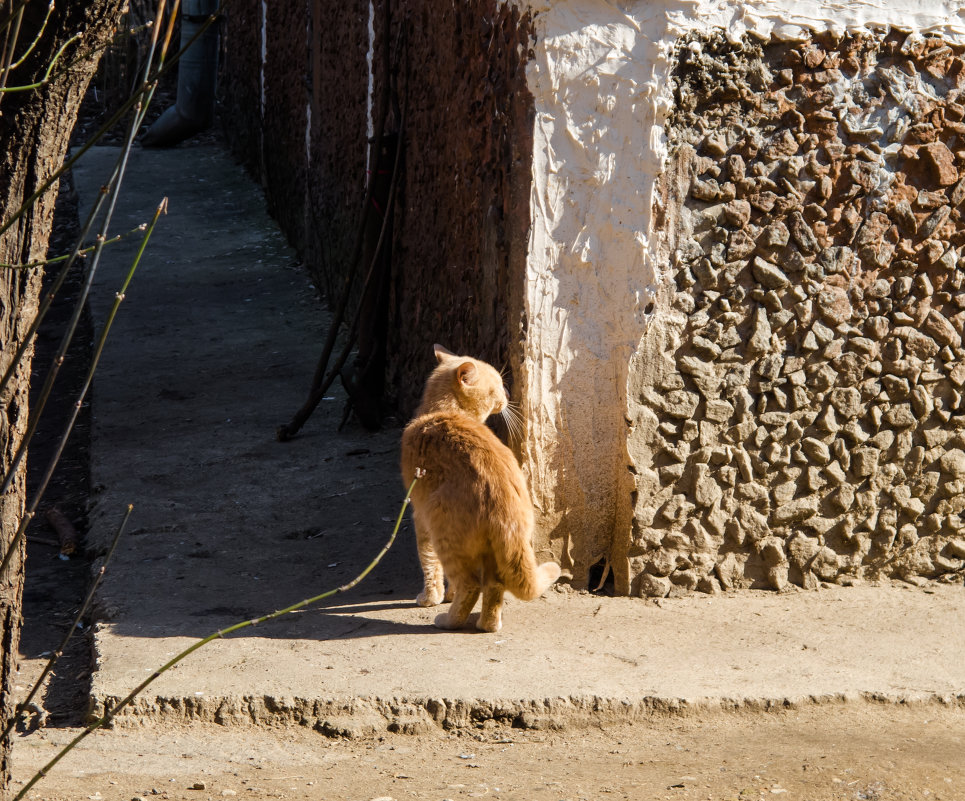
{"x":462,"y":382}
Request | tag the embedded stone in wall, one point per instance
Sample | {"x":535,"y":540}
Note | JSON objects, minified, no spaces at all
{"x":810,"y":416}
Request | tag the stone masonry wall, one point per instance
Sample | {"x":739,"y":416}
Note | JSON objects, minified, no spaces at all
{"x":798,"y":410}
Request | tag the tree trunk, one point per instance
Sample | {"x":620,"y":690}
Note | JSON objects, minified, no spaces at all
{"x":35,"y":127}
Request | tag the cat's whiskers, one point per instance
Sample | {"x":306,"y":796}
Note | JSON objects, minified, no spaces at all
{"x":513,"y":410}
{"x":507,"y":421}
{"x":513,"y":420}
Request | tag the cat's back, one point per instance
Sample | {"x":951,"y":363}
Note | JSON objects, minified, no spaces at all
{"x":455,"y":449}
{"x":453,"y":438}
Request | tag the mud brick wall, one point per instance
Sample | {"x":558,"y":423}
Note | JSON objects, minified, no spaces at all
{"x":294,"y":88}
{"x":266,"y":103}
{"x":338,"y":75}
{"x":462,"y":219}
{"x":458,"y":238}
{"x":285,"y":123}
{"x":799,"y":410}
{"x":240,"y":84}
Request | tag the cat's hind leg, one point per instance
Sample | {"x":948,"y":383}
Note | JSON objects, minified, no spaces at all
{"x":465,"y":593}
{"x":433,"y":576}
{"x":491,"y":618}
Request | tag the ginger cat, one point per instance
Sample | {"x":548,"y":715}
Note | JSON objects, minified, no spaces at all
{"x":473,"y":514}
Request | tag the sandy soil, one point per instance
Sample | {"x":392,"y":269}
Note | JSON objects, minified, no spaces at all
{"x":865,"y":751}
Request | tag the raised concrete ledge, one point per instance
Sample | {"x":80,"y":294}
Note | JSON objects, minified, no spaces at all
{"x":568,"y":660}
{"x":358,"y":718}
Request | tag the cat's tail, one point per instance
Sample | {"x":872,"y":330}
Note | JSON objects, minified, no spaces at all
{"x":520,"y":573}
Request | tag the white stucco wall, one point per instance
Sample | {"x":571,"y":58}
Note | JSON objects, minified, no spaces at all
{"x":600,"y":83}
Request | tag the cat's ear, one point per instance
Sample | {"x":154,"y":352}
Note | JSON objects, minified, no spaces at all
{"x":466,"y":373}
{"x":441,"y":353}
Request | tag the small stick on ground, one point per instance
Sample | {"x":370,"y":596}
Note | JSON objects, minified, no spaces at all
{"x":67,"y":535}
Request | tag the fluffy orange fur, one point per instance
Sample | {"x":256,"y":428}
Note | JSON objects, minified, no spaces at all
{"x":473,"y":514}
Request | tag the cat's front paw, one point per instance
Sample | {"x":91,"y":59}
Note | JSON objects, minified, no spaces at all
{"x":430,"y":597}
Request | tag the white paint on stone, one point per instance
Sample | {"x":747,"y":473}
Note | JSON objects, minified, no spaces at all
{"x":600,"y":80}
{"x":307,"y":200}
{"x":370,"y":94}
{"x":308,"y":107}
{"x":589,"y":275}
{"x":264,"y":55}
{"x":796,"y":19}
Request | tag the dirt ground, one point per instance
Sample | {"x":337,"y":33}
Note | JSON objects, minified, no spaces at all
{"x":855,"y":752}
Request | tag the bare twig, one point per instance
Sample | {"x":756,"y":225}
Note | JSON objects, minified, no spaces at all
{"x":10,"y":45}
{"x":316,"y":397}
{"x":112,"y":190}
{"x":50,"y":68}
{"x":66,"y":532}
{"x":321,"y":380}
{"x":144,"y":93}
{"x":81,"y":252}
{"x":11,"y":17}
{"x":286,"y":432}
{"x":110,"y":714}
{"x":52,"y":293}
{"x":33,"y":44}
{"x":136,"y":97}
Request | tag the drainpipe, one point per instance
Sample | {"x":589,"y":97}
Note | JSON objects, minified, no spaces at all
{"x":197,"y":80}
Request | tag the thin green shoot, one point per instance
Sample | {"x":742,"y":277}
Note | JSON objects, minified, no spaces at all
{"x":80,"y":253}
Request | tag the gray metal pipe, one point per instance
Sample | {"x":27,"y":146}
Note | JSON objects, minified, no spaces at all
{"x":197,"y":80}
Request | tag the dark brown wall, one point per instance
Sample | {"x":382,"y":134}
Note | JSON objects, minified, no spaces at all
{"x":287,"y":96}
{"x":462,"y":202}
{"x":462,"y":227}
{"x":241,"y":65}
{"x":339,"y":83}
{"x":272,"y":148}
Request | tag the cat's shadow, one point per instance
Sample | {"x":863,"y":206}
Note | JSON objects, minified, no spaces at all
{"x":379,"y":627}
{"x":352,"y":620}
